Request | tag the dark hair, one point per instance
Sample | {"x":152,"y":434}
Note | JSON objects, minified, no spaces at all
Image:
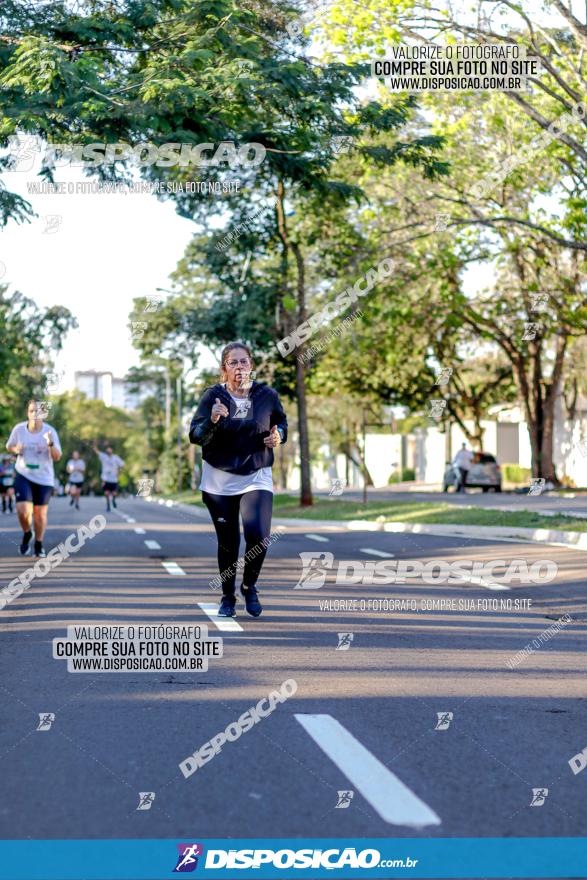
{"x":230,"y":347}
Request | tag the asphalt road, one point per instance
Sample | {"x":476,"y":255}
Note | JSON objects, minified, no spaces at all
{"x":363,"y":719}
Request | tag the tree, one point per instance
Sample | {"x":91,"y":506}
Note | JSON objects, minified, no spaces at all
{"x":30,"y":337}
{"x":79,"y":422}
{"x":494,"y":212}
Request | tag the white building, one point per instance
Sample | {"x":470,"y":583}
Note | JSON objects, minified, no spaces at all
{"x":111,"y":390}
{"x":427,"y":450}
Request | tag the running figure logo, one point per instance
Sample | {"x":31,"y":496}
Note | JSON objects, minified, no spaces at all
{"x":315,"y":568}
{"x":42,"y":408}
{"x":443,"y":376}
{"x":539,"y":302}
{"x":537,"y":486}
{"x":344,"y":799}
{"x":444,"y":719}
{"x":46,"y":719}
{"x":242,"y":408}
{"x":436,"y":409}
{"x":52,"y":223}
{"x":337,"y":487}
{"x":23,"y":152}
{"x":54,"y":378}
{"x":144,"y":488}
{"x":153,"y":302}
{"x":344,"y":641}
{"x":539,"y":795}
{"x":532,"y":328}
{"x":187,"y":860}
{"x":245,"y":68}
{"x":295,"y":28}
{"x":342,"y":143}
{"x":146,"y":799}
{"x":138,"y":329}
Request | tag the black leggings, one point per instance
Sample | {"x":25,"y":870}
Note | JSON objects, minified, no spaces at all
{"x":255,"y":509}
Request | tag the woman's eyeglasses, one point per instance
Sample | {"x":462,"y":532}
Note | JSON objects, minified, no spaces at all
{"x":244,"y":362}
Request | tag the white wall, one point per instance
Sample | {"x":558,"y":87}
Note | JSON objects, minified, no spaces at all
{"x":383,"y":456}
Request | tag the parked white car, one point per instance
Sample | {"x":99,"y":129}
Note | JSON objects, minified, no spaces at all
{"x":484,"y":473}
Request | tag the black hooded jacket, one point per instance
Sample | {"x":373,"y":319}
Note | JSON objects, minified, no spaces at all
{"x":236,"y":444}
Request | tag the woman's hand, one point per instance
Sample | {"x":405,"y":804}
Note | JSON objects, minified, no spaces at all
{"x":218,"y":410}
{"x":274,"y":438}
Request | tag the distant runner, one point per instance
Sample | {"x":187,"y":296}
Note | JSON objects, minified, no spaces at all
{"x":37,"y":446}
{"x":111,"y":467}
{"x":76,"y":470}
{"x":7,"y":475}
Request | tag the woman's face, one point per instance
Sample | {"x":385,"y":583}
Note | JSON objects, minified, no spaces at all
{"x":237,"y":366}
{"x":35,"y":411}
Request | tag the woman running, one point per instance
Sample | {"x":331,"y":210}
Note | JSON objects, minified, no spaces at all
{"x":238,"y":424}
{"x":37,"y":446}
{"x":7,"y":474}
{"x":76,"y":471}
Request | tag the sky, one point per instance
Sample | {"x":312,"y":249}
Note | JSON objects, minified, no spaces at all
{"x":105,"y":250}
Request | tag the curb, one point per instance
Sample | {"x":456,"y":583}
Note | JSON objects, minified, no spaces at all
{"x":574,"y":540}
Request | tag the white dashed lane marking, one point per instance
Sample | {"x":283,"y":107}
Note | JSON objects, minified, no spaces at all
{"x":153,"y":545}
{"x":173,"y":568}
{"x":373,"y":552}
{"x":228,"y":624}
{"x":139,"y":531}
{"x":316,"y":537}
{"x":381,"y":788}
{"x":482,"y":582}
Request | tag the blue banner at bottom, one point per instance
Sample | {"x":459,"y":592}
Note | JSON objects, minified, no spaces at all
{"x":274,"y":859}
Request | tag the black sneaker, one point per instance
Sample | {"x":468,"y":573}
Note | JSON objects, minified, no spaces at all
{"x":254,"y":607}
{"x":77,"y":505}
{"x":71,"y":500}
{"x":114,"y":502}
{"x":24,"y":548}
{"x":227,"y":607}
{"x":39,"y":549}
{"x":108,"y":507}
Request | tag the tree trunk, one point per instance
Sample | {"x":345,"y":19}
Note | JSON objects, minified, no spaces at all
{"x":548,"y":470}
{"x":305,"y":465}
{"x":304,"y":440}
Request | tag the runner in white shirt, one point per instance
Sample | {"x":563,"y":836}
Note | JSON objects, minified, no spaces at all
{"x":76,"y":469}
{"x":37,"y":446}
{"x":111,"y":467}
